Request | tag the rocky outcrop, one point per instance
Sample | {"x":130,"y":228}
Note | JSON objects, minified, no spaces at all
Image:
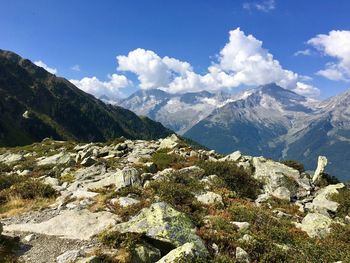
{"x":185,"y":253}
{"x":71,"y":224}
{"x":321,"y":165}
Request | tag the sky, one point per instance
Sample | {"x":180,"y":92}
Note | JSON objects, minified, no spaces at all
{"x":115,"y":47}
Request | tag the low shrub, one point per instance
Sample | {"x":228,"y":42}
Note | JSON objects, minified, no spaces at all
{"x":162,"y":159}
{"x":6,"y":181}
{"x":343,"y":198}
{"x":31,"y":189}
{"x":235,"y":178}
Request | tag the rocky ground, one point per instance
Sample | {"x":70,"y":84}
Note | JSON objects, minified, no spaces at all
{"x":164,"y":201}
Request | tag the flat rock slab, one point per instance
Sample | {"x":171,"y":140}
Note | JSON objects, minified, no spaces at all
{"x":70,"y":224}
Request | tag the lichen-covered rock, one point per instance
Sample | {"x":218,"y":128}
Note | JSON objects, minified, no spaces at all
{"x":10,"y":158}
{"x":316,"y":225}
{"x":145,"y":253}
{"x":322,"y":202}
{"x":127,"y":177}
{"x":162,"y":222}
{"x":209,"y":198}
{"x":242,"y":256}
{"x":185,"y":253}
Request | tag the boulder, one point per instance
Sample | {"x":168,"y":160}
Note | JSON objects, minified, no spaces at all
{"x":71,"y":224}
{"x":88,"y":161}
{"x":124,"y":201}
{"x":282,"y":193}
{"x":51,"y":181}
{"x":10,"y":158}
{"x":235,"y":156}
{"x":185,"y":253}
{"x":68,"y":257}
{"x":241,"y":225}
{"x":127,"y":177}
{"x":193,"y":171}
{"x":242,"y":256}
{"x":163,"y":223}
{"x":170,"y":142}
{"x":321,"y":165}
{"x":209,"y":198}
{"x":60,"y":158}
{"x":145,"y":253}
{"x":316,"y":225}
{"x":322,"y":202}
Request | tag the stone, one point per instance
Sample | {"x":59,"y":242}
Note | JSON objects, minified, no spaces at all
{"x":316,"y":225}
{"x":282,"y":193}
{"x":88,"y":161}
{"x":60,"y":158}
{"x":127,"y":177}
{"x":322,"y":203}
{"x":68,"y":257}
{"x":247,"y":238}
{"x":51,"y":181}
{"x":209,"y":198}
{"x":235,"y":156}
{"x":170,"y":142}
{"x":10,"y":158}
{"x":321,"y":165}
{"x":184,"y":253}
{"x":193,"y":171}
{"x":242,"y":256}
{"x":162,"y":222}
{"x":29,"y":237}
{"x":145,"y":253}
{"x":241,"y":225}
{"x":124,"y":201}
{"x":70,"y":224}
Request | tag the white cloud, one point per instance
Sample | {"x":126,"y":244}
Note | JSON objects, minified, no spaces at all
{"x":243,"y":61}
{"x":76,"y":68}
{"x":337,"y":45}
{"x":98,"y":88}
{"x":306,"y":90}
{"x":305,"y":52}
{"x":264,"y":6}
{"x":40,"y":63}
{"x":152,"y":70}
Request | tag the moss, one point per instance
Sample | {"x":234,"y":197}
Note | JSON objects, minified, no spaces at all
{"x":235,"y":178}
{"x":67,"y":178}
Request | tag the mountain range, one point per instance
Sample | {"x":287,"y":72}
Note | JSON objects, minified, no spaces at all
{"x":267,"y":120}
{"x":35,"y":104}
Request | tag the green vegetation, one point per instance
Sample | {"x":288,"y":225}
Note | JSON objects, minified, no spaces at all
{"x":235,"y":178}
{"x":343,"y":199}
{"x":162,"y":159}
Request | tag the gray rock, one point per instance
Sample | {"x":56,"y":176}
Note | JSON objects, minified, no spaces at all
{"x":241,"y":225}
{"x":145,"y":253}
{"x":235,"y":156}
{"x":51,"y":181}
{"x":209,"y":198}
{"x":282,"y":193}
{"x":71,"y":224}
{"x":88,"y":161}
{"x":242,"y":256}
{"x":10,"y":158}
{"x":170,"y":142}
{"x":193,"y":171}
{"x":321,"y":165}
{"x":322,"y":202}
{"x":124,"y":201}
{"x":316,"y":225}
{"x":29,"y":237}
{"x":127,"y":177}
{"x":60,"y":158}
{"x":68,"y":257}
{"x":160,"y":221}
{"x":184,"y":253}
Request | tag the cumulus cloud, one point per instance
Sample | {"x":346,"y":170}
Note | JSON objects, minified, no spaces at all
{"x":40,"y":63}
{"x":152,"y":70}
{"x":306,"y":90}
{"x":335,"y":44}
{"x":111,"y":88}
{"x":242,"y":61}
{"x":264,"y":6}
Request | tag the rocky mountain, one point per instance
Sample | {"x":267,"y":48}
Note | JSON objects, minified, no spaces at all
{"x":280,"y":124}
{"x":35,"y":104}
{"x":163,"y":201}
{"x":178,"y":112}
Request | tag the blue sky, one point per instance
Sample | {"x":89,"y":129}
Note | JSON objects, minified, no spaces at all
{"x":81,"y":39}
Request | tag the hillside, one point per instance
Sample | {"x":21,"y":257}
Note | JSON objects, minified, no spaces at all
{"x":35,"y":104}
{"x":162,"y":201}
